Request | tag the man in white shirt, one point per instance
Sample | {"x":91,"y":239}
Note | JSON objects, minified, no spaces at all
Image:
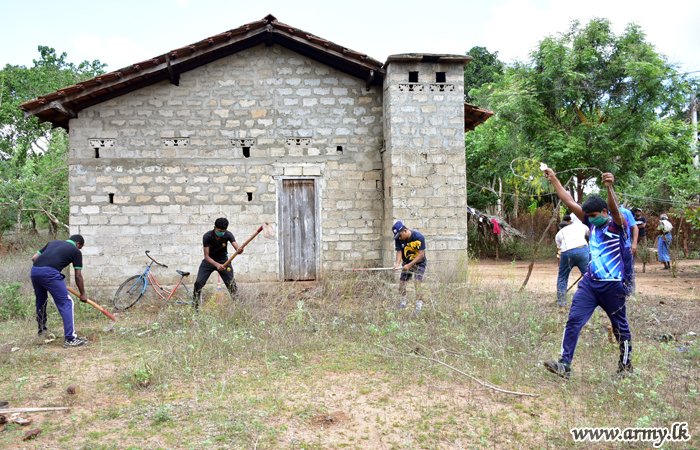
{"x":571,"y":242}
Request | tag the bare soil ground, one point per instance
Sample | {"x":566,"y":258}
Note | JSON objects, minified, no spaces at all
{"x":309,"y":366}
{"x":653,"y":281}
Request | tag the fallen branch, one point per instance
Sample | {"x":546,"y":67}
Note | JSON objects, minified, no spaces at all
{"x":484,"y":384}
{"x":28,"y":410}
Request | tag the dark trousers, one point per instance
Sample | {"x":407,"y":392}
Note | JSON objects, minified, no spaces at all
{"x":205,"y":270}
{"x":49,"y":280}
{"x":610,"y":296}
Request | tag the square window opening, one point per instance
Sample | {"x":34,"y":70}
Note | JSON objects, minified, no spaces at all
{"x":413,"y":77}
{"x":339,"y":149}
{"x":440,"y":77}
{"x":250,"y":196}
{"x":246,"y":152}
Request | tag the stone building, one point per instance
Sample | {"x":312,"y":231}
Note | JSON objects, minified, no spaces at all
{"x":266,"y":123}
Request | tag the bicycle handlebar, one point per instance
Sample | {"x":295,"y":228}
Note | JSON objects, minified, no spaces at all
{"x":151,"y":258}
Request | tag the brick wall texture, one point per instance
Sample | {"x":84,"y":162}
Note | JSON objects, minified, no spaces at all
{"x":152,"y":192}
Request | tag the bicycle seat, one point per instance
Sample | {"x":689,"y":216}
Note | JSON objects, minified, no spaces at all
{"x":184,"y":274}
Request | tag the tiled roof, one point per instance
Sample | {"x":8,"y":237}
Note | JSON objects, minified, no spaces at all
{"x":474,"y":116}
{"x":60,"y":106}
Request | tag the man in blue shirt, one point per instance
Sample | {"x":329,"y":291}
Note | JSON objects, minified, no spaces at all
{"x":606,"y":282}
{"x":410,"y":258}
{"x":47,"y":278}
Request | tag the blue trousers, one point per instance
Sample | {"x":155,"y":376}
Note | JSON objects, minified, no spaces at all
{"x":576,"y":257}
{"x":48,"y":279}
{"x":610,"y":296}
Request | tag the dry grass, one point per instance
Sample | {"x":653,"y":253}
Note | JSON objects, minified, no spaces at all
{"x":303,"y":366}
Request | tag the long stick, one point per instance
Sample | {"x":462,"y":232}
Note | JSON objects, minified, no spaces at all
{"x":534,"y":252}
{"x":242,"y":246}
{"x":575,"y":283}
{"x":93,"y":304}
{"x":27,"y":410}
{"x":371,"y":268}
{"x":486,"y":385}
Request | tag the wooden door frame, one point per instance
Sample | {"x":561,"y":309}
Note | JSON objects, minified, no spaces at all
{"x":317,"y":227}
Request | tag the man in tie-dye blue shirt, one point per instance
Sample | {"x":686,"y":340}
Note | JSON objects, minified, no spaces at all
{"x":606,"y":282}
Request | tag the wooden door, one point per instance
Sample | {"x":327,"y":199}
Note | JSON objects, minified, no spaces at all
{"x":298,"y":219}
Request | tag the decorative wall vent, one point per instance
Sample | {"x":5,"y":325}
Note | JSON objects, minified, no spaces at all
{"x":101,"y":143}
{"x":411,"y":87}
{"x":442,"y":88}
{"x":298,"y":142}
{"x":175,"y":142}
{"x":249,"y":142}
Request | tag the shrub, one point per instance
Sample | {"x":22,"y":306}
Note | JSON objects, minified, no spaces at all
{"x":12,"y":305}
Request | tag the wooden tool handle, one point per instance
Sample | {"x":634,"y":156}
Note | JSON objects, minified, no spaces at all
{"x":242,"y":246}
{"x":93,"y":304}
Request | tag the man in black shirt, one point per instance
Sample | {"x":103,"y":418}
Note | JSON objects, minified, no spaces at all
{"x":47,"y":277}
{"x":215,"y":255}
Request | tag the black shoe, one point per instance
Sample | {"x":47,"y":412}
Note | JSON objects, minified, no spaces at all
{"x":624,"y":370}
{"x":77,"y":342}
{"x":560,"y":368}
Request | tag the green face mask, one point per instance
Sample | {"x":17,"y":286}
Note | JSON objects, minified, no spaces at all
{"x":598,"y":221}
{"x":220,"y":233}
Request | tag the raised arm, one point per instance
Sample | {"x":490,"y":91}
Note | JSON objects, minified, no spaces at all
{"x":563,"y":195}
{"x":613,"y":206}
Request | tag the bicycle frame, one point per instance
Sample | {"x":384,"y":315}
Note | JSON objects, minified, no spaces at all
{"x":148,"y":275}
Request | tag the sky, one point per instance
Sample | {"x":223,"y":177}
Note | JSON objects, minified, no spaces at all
{"x":123,"y":32}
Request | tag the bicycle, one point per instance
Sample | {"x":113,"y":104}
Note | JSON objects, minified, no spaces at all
{"x":133,"y":288}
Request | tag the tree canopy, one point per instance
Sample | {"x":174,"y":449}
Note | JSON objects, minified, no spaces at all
{"x":33,"y":169}
{"x":589,"y":101}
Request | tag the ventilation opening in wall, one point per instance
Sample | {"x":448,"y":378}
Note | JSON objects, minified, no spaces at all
{"x":440,"y":77}
{"x":250,"y":196}
{"x":246,"y":152}
{"x":339,"y":149}
{"x":413,"y":77}
{"x":97,"y":153}
{"x":111,"y":197}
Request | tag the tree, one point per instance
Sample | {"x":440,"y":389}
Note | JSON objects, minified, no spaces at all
{"x":590,"y":101}
{"x":20,"y":135}
{"x":33,"y":157}
{"x":481,"y":70}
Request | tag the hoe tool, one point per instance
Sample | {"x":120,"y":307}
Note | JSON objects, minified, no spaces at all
{"x":99,"y":308}
{"x":267,"y":231}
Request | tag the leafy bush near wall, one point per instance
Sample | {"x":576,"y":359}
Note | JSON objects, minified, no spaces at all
{"x":12,"y":304}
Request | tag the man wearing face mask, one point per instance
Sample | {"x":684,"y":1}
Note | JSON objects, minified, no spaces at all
{"x":606,"y":281}
{"x":215,"y":244}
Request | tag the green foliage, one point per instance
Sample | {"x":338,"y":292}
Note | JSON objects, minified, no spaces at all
{"x":12,"y":305}
{"x":33,"y":168}
{"x":481,"y":70}
{"x":588,"y":101}
{"x":20,"y":136}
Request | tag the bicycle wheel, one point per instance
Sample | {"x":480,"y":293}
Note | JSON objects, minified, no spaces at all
{"x":130,"y":292}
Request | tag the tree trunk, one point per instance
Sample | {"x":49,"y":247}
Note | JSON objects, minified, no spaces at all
{"x":515,"y":205}
{"x":19,"y":221}
{"x":580,"y":182}
{"x":52,"y":230}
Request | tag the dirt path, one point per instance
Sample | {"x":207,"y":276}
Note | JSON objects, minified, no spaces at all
{"x":544,"y":277}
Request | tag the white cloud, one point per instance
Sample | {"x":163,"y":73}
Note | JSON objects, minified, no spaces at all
{"x":517,"y":26}
{"x":117,"y":51}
